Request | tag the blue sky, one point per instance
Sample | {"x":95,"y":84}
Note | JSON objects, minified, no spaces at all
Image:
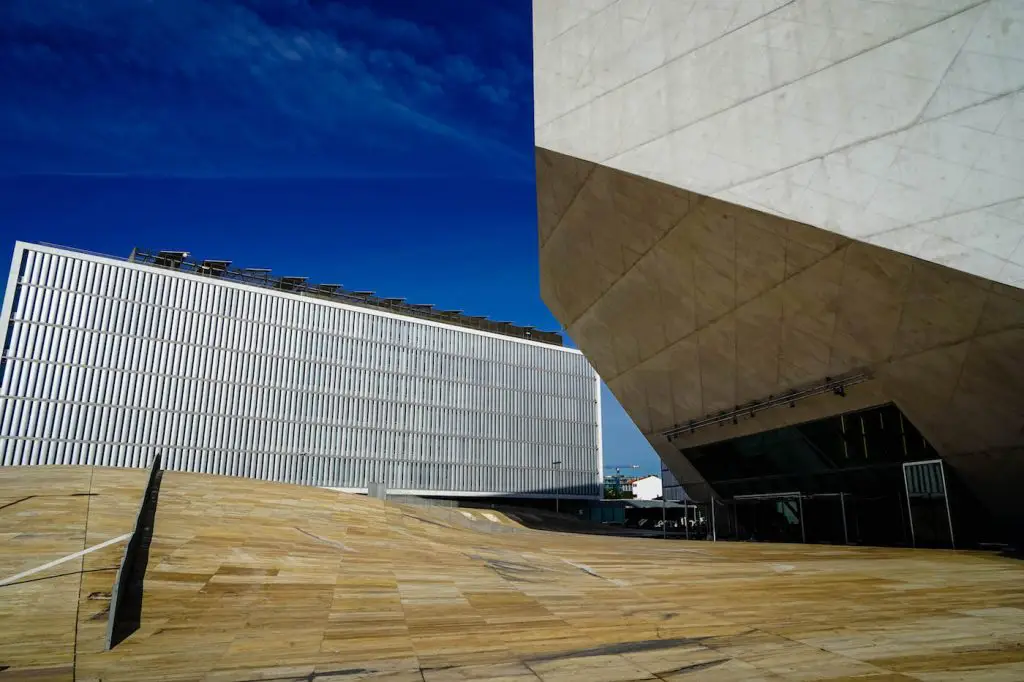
{"x":384,"y":145}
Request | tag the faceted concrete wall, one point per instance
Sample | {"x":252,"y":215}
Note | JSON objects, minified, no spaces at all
{"x":687,"y":305}
{"x":898,"y":123}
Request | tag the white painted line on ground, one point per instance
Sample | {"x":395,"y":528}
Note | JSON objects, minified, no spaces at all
{"x":333,"y":543}
{"x":69,"y":557}
{"x":584,"y":568}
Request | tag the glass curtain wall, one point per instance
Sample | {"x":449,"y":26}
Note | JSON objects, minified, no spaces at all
{"x":834,"y":480}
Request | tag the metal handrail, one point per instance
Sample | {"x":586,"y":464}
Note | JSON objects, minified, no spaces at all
{"x":836,"y":385}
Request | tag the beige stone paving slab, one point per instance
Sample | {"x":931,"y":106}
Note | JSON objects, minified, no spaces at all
{"x":234,"y":593}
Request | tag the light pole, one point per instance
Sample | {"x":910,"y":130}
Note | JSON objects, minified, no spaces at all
{"x":557,"y":463}
{"x":664,"y":522}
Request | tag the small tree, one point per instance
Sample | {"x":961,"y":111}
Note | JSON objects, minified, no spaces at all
{"x":614,"y":492}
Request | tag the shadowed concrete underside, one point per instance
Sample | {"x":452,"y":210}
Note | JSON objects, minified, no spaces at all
{"x":688,"y":305}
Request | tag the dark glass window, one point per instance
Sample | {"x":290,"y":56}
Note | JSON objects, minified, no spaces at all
{"x":843,"y":473}
{"x":845,"y":453}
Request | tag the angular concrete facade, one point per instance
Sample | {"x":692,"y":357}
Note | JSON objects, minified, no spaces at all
{"x":899,"y":123}
{"x":739,"y":199}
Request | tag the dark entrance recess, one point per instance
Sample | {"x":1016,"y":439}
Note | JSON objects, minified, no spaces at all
{"x":836,"y":480}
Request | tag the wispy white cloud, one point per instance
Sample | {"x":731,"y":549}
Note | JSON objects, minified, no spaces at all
{"x":255,"y":87}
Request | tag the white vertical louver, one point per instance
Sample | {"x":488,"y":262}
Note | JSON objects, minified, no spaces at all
{"x":108,"y":362}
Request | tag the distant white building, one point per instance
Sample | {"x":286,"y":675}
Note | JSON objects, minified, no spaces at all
{"x":647,"y":488}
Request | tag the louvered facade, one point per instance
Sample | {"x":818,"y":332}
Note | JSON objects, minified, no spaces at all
{"x":108,"y":362}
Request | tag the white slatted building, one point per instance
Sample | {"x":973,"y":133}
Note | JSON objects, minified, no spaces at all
{"x":108,"y":362}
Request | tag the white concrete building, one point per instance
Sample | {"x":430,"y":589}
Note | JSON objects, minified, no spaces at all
{"x":108,"y":362}
{"x":647,"y":488}
{"x":898,"y":123}
{"x":799,"y":223}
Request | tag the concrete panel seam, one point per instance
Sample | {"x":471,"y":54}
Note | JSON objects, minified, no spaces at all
{"x":586,"y":18}
{"x":970,"y":341}
{"x":807,"y":75}
{"x":720,"y":317}
{"x":835,"y":324}
{"x":874,"y":138}
{"x":675,"y":59}
{"x":946,"y":71}
{"x":697,"y":204}
{"x":951,"y":214}
{"x":561,"y":218}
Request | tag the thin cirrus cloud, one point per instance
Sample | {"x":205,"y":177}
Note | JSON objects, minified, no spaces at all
{"x":263,"y":88}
